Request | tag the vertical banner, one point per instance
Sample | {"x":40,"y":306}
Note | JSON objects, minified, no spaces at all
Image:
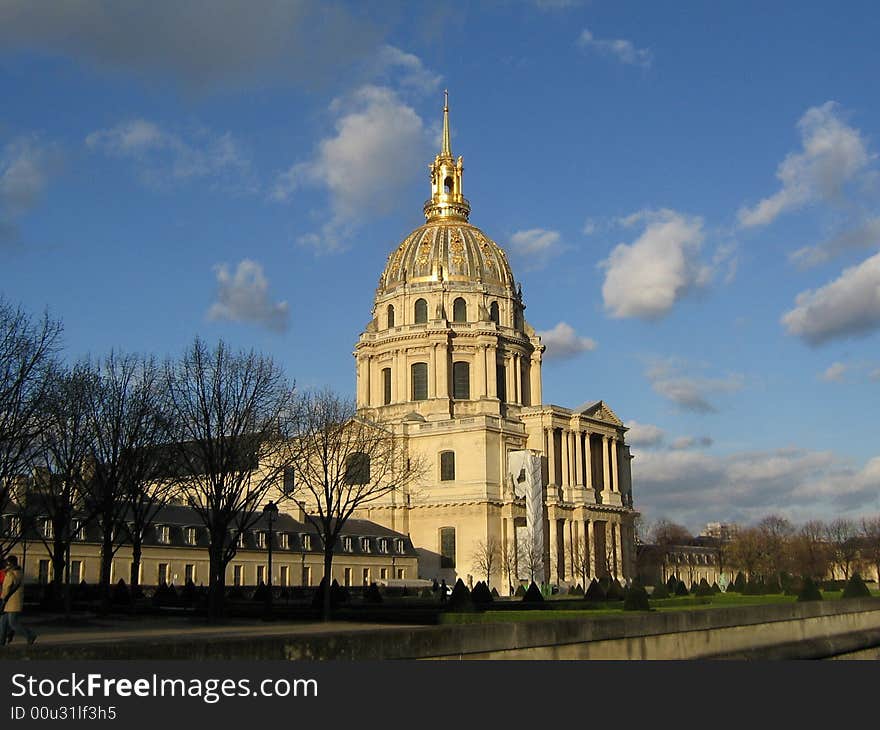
{"x":524,"y":470}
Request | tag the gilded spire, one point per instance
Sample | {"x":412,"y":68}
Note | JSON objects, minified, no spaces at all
{"x":446,"y":149}
{"x":446,"y":172}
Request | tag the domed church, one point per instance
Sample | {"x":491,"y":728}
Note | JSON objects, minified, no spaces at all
{"x":449,"y":362}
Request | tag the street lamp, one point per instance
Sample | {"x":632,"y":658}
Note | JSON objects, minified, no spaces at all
{"x":270,"y":512}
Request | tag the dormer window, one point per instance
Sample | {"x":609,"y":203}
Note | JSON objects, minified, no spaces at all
{"x":398,"y":545}
{"x":383,"y":545}
{"x":76,"y":530}
{"x":307,"y":542}
{"x":192,"y":535}
{"x":261,"y":540}
{"x":283,"y":540}
{"x":365,"y":544}
{"x":163,"y":534}
{"x":347,"y":544}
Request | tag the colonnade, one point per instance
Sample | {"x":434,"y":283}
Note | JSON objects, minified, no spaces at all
{"x":575,"y":473}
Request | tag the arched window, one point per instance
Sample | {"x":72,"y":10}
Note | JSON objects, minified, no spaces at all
{"x":447,"y":185}
{"x":390,"y":315}
{"x":461,"y":380}
{"x":493,"y":313}
{"x":386,"y":386}
{"x":419,"y":378}
{"x":459,"y":310}
{"x":357,"y":468}
{"x":501,"y":381}
{"x":447,"y":466}
{"x":447,"y":547}
{"x":421,"y":311}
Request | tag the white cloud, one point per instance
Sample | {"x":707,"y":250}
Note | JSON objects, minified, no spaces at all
{"x":163,"y":156}
{"x":866,"y":234}
{"x":694,"y":487}
{"x":644,"y":434}
{"x":691,"y":442}
{"x":832,"y":154}
{"x":670,"y":378}
{"x":563,"y":342}
{"x":621,"y":50}
{"x":648,"y":276}
{"x":834,"y":373}
{"x":535,"y":246}
{"x":201,"y":44}
{"x":849,"y":306}
{"x":380,"y":144}
{"x":244,"y":297}
{"x":407,"y":69}
{"x":25,"y":170}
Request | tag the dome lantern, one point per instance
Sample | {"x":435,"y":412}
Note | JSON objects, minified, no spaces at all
{"x":447,"y":201}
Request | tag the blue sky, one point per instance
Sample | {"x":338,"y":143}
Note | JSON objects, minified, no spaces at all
{"x":688,"y":194}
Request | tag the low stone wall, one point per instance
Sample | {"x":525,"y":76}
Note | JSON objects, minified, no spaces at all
{"x":811,"y":630}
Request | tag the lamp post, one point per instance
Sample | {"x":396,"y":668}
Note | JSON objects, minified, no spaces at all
{"x":270,"y":512}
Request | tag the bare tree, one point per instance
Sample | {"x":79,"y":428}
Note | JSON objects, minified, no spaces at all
{"x":665,"y":532}
{"x":870,"y":534}
{"x":745,"y":551}
{"x":344,"y":463}
{"x":127,"y":423}
{"x":508,"y":561}
{"x":64,"y":446}
{"x":810,"y":556}
{"x":579,"y":559}
{"x":774,"y":532}
{"x":530,"y":556}
{"x":232,"y":415}
{"x":486,"y":556}
{"x":27,"y":350}
{"x":841,"y":535}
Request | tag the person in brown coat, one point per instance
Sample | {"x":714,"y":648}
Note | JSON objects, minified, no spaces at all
{"x":12,"y":595}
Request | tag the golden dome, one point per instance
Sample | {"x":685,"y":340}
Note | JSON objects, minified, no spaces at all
{"x":447,"y":250}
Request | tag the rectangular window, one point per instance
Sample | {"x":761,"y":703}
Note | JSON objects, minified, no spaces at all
{"x":307,"y":542}
{"x":163,"y":533}
{"x":189,"y":573}
{"x":261,"y":540}
{"x":43,"y":574}
{"x":192,"y":535}
{"x":285,"y":575}
{"x":357,"y":468}
{"x":386,"y":385}
{"x":461,"y":380}
{"x":237,"y":575}
{"x":76,"y":571}
{"x":48,"y":529}
{"x":307,"y":575}
{"x":163,"y":573}
{"x":383,"y":545}
{"x":366,"y":576}
{"x":365,"y":544}
{"x":398,"y":545}
{"x":287,"y":484}
{"x":419,"y":378}
{"x":347,"y":576}
{"x":447,"y":547}
{"x":347,"y":544}
{"x":76,"y":530}
{"x":501,"y":382}
{"x":401,"y":573}
{"x":383,"y":573}
{"x":283,"y":540}
{"x":447,"y":466}
{"x":261,"y":574}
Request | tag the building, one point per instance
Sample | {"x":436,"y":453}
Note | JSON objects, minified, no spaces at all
{"x":449,"y":361}
{"x":692,"y":562}
{"x":176,"y":551}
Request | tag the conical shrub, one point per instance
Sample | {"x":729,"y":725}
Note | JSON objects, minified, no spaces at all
{"x":660,"y":590}
{"x":372,"y":594}
{"x":809,"y":591}
{"x":671,"y":584}
{"x":577,"y":590}
{"x":595,"y":592}
{"x":715,"y":587}
{"x":704,"y":589}
{"x":461,"y":599}
{"x":740,"y":582}
{"x":533,"y":594}
{"x":481,"y":595}
{"x":636,"y":599}
{"x":520,"y":591}
{"x":681,"y":589}
{"x":856,"y":588}
{"x":615,"y":591}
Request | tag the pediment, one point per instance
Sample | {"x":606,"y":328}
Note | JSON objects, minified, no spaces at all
{"x":599,"y":411}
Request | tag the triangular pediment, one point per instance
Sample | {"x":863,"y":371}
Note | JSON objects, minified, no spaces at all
{"x":599,"y":411}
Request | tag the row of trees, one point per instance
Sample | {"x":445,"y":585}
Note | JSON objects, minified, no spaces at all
{"x":775,"y":546}
{"x":109,"y":442}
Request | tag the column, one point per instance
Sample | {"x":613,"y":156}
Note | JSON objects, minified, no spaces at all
{"x":554,"y":548}
{"x":606,"y":479}
{"x":589,"y":544}
{"x":442,"y":360}
{"x":565,"y":471}
{"x":360,"y":381}
{"x":432,"y":373}
{"x":403,"y":392}
{"x":615,"y":477}
{"x":517,"y":377}
{"x":573,"y":458}
{"x":567,"y":551}
{"x":535,"y":381}
{"x":551,"y":461}
{"x":578,"y":458}
{"x":588,"y":461}
{"x":511,"y":380}
{"x":480,"y":362}
{"x":491,"y":370}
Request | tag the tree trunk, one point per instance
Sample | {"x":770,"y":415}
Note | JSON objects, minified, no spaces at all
{"x":217,"y":585}
{"x":106,"y":569}
{"x":59,"y":565}
{"x":134,"y":575}
{"x":328,"y":580}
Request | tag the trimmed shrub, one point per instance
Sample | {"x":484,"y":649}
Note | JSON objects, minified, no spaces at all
{"x":372,"y":595}
{"x":704,"y":589}
{"x":694,"y":587}
{"x":671,"y":584}
{"x":856,"y":588}
{"x":809,"y":591}
{"x":772,"y":585}
{"x":577,"y":590}
{"x":121,"y":596}
{"x":636,"y":599}
{"x":533,"y":594}
{"x":681,"y":589}
{"x":715,"y":587}
{"x":660,"y":590}
{"x":461,"y":599}
{"x":595,"y":592}
{"x":520,"y":591}
{"x":481,"y":595}
{"x":495,"y":594}
{"x":615,"y":591}
{"x":337,"y":594}
{"x":752,"y":588}
{"x":740,"y":582}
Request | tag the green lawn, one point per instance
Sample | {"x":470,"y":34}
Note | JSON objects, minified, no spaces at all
{"x":549,"y":612}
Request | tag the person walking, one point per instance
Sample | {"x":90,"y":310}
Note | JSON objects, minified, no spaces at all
{"x":12,"y":595}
